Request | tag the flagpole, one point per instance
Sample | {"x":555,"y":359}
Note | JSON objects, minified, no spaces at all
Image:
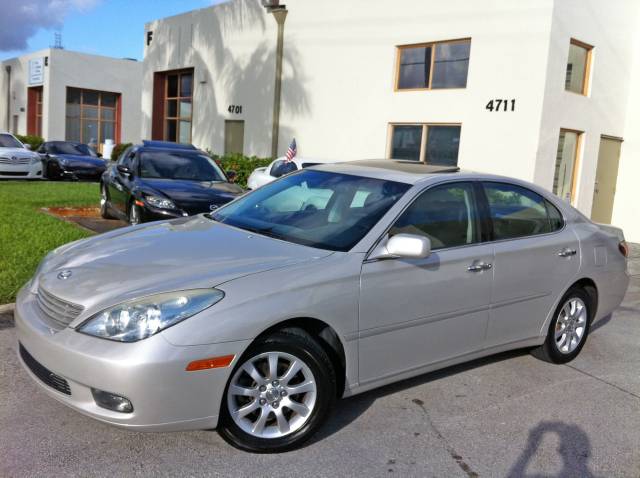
{"x":280,"y":14}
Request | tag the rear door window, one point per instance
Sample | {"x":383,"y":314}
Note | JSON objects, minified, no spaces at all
{"x":519,"y":212}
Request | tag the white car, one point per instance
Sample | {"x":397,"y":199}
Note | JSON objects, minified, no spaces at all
{"x":16,"y":160}
{"x":279,"y":167}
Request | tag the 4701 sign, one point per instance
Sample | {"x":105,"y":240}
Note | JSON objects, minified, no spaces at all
{"x":235,"y":109}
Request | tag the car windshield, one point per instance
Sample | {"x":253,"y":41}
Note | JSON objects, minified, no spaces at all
{"x":315,"y":208}
{"x":8,"y":141}
{"x":185,"y":165}
{"x":71,"y":148}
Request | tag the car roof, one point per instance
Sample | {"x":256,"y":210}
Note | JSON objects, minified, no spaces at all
{"x":410,"y":172}
{"x":166,"y":145}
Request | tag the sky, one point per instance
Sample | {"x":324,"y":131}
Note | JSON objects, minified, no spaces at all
{"x":102,"y":27}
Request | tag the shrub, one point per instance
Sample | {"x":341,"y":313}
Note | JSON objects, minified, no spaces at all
{"x":118,"y":149}
{"x":34,"y":141}
{"x":242,"y":165}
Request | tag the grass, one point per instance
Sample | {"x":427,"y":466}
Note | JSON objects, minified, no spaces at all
{"x":27,"y":234}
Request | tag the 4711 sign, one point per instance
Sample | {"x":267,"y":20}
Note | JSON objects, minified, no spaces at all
{"x":496,"y":106}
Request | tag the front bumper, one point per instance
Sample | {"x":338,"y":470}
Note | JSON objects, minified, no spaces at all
{"x":79,"y":174}
{"x":21,"y":171}
{"x":150,"y":373}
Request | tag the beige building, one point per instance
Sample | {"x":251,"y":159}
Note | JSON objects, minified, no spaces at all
{"x":536,"y":89}
{"x":64,"y":95}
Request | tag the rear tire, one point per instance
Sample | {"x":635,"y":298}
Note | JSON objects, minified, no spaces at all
{"x":280,"y":420}
{"x":568,"y":329}
{"x":104,"y":203}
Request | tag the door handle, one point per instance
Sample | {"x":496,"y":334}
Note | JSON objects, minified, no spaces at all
{"x":567,"y":252}
{"x":479,"y":267}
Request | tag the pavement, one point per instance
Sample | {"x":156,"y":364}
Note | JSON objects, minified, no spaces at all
{"x":504,"y":416}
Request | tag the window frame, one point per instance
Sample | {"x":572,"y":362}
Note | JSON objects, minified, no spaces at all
{"x":424,"y":139}
{"x":432,"y":45}
{"x":486,"y":219}
{"x":576,"y":161}
{"x":586,"y":78}
{"x":166,"y":98}
{"x":116,"y":122}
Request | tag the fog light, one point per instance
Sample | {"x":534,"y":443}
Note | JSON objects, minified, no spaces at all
{"x":111,"y":401}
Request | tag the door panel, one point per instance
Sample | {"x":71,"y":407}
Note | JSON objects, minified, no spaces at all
{"x":417,"y":312}
{"x":606,"y":180}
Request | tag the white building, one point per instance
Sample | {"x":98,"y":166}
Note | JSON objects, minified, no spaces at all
{"x":536,"y":89}
{"x":64,"y":95}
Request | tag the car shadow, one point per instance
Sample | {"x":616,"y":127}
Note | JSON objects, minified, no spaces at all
{"x":574,"y":450}
{"x":349,"y":409}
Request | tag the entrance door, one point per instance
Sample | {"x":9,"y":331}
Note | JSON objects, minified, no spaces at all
{"x":234,"y":136}
{"x":606,"y":179}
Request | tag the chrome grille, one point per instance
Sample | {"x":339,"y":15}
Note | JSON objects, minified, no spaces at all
{"x":56,"y":309}
{"x":14,"y":161}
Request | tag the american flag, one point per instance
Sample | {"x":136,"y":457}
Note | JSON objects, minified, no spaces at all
{"x":292,"y":151}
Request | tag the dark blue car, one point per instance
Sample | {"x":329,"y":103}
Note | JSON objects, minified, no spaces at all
{"x":158,"y":180}
{"x":71,"y":160}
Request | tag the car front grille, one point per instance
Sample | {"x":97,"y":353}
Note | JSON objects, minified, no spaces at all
{"x":56,"y":309}
{"x":15,"y":161}
{"x":44,"y":374}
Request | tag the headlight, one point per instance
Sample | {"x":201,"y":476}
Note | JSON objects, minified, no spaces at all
{"x":35,"y":160}
{"x":141,"y":318}
{"x":160,"y":203}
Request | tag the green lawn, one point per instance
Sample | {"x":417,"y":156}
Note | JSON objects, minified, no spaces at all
{"x":27,"y":235}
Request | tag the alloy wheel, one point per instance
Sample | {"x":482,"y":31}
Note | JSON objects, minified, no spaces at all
{"x":272,"y":395}
{"x":134,"y":215}
{"x":571,"y":325}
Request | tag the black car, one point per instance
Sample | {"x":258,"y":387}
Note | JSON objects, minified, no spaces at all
{"x":159,"y":180}
{"x":71,"y":160}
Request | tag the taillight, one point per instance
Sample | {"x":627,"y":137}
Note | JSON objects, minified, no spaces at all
{"x":623,"y":247}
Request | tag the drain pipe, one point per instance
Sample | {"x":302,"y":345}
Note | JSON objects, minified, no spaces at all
{"x":8,"y":68}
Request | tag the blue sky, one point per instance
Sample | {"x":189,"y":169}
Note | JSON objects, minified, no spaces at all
{"x":104,"y":27}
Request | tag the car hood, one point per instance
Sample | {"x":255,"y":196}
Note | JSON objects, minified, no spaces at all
{"x":75,"y":159}
{"x":189,"y":191}
{"x":187,"y":253}
{"x":17,"y":152}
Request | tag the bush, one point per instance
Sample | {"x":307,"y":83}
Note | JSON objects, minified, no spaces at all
{"x":118,"y":149}
{"x":34,"y":141}
{"x":242,"y":165}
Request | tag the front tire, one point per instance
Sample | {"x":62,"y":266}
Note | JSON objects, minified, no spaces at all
{"x":104,"y":203}
{"x":569,"y":328}
{"x":279,"y":393}
{"x":135,"y":214}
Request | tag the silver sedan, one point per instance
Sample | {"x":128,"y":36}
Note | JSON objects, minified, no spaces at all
{"x":324,"y":284}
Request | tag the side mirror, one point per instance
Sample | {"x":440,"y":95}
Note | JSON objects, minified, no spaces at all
{"x":409,"y":246}
{"x":232,"y":176}
{"x":99,"y":155}
{"x":27,"y":146}
{"x":124,"y":170}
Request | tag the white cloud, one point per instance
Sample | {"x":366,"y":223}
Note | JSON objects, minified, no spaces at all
{"x":21,"y":19}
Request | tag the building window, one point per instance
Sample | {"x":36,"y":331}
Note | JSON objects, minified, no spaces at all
{"x":92,"y":116}
{"x":177,"y":109}
{"x":433,"y":65}
{"x":432,"y":144}
{"x":578,"y":67}
{"x":564,"y":180}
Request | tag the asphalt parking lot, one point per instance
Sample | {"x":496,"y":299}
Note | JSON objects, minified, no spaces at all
{"x":508,"y":415}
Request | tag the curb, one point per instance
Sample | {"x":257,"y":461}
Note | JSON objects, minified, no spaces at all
{"x":7,"y":308}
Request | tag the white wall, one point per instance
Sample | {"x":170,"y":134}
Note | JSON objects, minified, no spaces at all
{"x":71,"y":69}
{"x":610,"y":27}
{"x":338,"y":87}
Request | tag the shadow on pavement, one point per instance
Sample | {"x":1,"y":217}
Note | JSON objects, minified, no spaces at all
{"x":574,"y":449}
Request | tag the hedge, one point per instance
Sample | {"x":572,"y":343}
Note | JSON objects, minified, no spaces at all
{"x":34,"y":141}
{"x":242,"y":165}
{"x":118,"y":149}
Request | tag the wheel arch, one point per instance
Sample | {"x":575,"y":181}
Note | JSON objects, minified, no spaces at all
{"x":585,"y":283}
{"x":326,"y":336}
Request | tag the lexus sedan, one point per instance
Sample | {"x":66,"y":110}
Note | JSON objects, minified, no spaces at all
{"x":159,"y":180}
{"x":71,"y":160}
{"x":326,"y":283}
{"x":16,"y":159}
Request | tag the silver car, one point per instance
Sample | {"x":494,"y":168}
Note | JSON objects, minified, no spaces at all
{"x":324,"y":284}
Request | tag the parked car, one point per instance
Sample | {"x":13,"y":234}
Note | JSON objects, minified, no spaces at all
{"x":16,"y":159}
{"x":71,"y":160}
{"x":329,"y":282}
{"x":159,"y":180}
{"x":278,"y":168}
